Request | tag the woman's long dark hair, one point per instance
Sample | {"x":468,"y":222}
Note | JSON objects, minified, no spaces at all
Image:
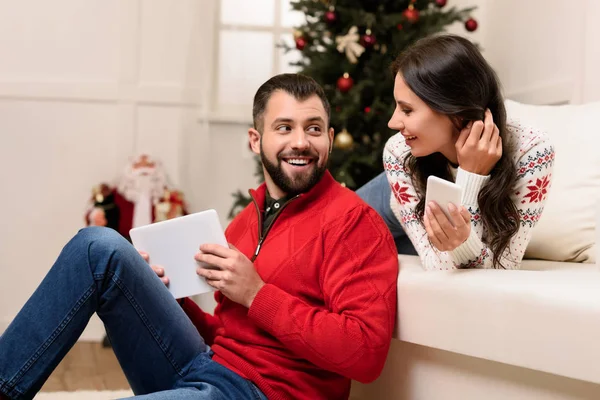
{"x":451,"y":76}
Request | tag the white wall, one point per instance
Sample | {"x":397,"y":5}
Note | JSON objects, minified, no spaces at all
{"x":543,"y":51}
{"x":589,"y":83}
{"x":86,"y":83}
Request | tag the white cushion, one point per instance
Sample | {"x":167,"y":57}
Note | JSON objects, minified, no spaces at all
{"x":566,"y":230}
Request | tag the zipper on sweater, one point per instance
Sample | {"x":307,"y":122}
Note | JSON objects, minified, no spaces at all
{"x":262,"y":235}
{"x":259,"y":229}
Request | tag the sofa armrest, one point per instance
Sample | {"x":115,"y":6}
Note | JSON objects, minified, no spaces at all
{"x":546,"y":317}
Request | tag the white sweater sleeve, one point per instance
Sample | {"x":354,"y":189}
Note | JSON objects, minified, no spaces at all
{"x":529,"y":195}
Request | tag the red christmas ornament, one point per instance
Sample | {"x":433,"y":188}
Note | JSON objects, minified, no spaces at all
{"x":368,"y":39}
{"x":367,"y":110}
{"x":440,"y":3}
{"x":330,"y":16}
{"x":411,"y":14}
{"x":345,"y":83}
{"x":300,"y":43}
{"x":471,"y":25}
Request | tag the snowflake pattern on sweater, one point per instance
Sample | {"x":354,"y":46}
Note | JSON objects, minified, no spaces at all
{"x":534,"y":159}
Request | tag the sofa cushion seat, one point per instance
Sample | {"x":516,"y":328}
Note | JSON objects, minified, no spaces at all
{"x":544,"y":317}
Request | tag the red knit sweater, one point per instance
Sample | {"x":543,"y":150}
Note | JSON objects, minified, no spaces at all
{"x":327,"y":311}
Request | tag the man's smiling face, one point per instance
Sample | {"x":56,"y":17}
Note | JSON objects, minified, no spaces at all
{"x":295,"y":143}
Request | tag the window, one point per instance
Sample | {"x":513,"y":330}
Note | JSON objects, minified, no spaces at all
{"x":248,"y":32}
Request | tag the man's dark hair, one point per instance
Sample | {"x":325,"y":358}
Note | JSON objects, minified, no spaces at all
{"x":300,"y":86}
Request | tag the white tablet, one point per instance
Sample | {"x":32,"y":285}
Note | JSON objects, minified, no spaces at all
{"x":443,"y":192}
{"x":172,"y":244}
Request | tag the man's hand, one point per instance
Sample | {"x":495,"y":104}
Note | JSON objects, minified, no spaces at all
{"x":444,"y":234}
{"x":479,"y":146}
{"x":234,"y":276}
{"x":158,"y":270}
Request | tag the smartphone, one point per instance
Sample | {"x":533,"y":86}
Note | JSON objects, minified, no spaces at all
{"x":443,"y":192}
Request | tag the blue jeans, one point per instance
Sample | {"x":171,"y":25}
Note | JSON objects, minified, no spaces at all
{"x":161,"y":352}
{"x":376,"y":193}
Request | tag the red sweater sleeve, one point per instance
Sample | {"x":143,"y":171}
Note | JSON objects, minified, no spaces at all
{"x":206,"y":324}
{"x":358,"y":277}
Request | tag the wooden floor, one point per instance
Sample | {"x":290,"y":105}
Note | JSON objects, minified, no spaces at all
{"x":88,"y":366}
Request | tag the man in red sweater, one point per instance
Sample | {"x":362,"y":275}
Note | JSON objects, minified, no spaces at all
{"x":306,"y":296}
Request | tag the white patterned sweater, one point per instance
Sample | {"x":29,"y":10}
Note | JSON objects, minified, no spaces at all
{"x":533,"y":157}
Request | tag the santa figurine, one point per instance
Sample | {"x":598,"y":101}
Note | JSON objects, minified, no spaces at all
{"x":141,"y":196}
{"x":138,"y":190}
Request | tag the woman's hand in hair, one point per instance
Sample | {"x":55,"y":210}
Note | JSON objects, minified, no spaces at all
{"x":447,"y":234}
{"x":479,"y":146}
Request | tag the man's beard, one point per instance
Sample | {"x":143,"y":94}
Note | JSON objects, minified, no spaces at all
{"x":299,"y":183}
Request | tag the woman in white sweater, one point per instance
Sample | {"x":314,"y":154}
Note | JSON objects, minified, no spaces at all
{"x":452,"y":123}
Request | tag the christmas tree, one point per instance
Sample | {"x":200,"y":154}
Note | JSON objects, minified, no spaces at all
{"x":347,"y":46}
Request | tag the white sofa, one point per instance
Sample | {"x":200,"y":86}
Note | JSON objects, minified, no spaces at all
{"x":527,"y":334}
